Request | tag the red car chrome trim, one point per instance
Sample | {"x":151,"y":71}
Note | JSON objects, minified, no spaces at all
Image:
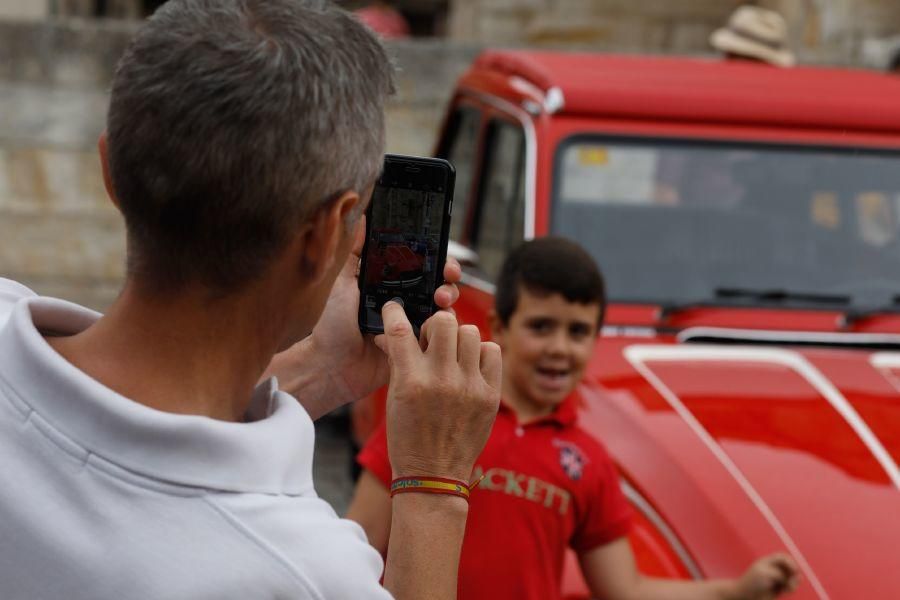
{"x":885,"y":362}
{"x":640,"y":503}
{"x":786,"y":337}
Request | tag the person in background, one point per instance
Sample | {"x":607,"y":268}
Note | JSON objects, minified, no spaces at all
{"x":384,"y":19}
{"x":548,"y":484}
{"x":165,"y":448}
{"x":894,"y":64}
{"x":755,"y":34}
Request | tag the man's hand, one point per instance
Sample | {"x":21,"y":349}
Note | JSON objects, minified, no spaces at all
{"x":768,"y":578}
{"x":443,"y":395}
{"x":442,"y":400}
{"x":337,"y":364}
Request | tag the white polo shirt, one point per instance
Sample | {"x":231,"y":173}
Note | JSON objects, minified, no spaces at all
{"x":105,"y":498}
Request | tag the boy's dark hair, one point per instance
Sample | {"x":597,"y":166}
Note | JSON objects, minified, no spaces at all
{"x":549,"y":265}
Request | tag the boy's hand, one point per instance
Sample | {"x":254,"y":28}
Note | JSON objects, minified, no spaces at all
{"x":443,"y":394}
{"x":768,"y":578}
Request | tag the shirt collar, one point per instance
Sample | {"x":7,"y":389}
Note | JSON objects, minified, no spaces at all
{"x":272,"y":454}
{"x":563,"y":415}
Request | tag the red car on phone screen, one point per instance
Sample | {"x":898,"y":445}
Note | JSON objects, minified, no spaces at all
{"x":747,"y":221}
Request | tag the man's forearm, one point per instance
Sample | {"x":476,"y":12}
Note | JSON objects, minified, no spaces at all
{"x":423,"y":553}
{"x":315,"y":386}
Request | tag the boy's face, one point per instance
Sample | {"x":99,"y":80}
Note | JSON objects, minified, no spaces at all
{"x":546,"y":347}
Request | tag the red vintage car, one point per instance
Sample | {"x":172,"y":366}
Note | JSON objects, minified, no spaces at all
{"x":747,"y":219}
{"x":394,"y":265}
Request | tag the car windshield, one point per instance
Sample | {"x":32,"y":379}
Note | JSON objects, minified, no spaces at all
{"x":678,"y":221}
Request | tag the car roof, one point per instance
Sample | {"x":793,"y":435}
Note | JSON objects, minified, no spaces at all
{"x":706,"y":89}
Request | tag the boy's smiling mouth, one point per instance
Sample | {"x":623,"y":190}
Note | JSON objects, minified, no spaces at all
{"x":552,"y":377}
{"x":550,"y":372}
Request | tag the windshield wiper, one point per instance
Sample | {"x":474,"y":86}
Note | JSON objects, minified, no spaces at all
{"x":730,"y":297}
{"x":781,"y":295}
{"x":854,"y":316}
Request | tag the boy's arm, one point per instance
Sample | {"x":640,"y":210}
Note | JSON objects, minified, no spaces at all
{"x":611,"y":574}
{"x":371,"y":508}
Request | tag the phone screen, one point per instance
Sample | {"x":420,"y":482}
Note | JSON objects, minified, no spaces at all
{"x":406,"y":239}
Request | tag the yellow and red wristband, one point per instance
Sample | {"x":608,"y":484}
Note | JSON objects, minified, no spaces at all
{"x":431,"y":485}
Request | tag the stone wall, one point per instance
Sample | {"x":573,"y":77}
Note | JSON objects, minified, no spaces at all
{"x":833,"y":31}
{"x":59,"y":233}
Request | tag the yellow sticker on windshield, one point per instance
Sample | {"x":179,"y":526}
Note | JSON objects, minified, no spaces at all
{"x":825,"y":210}
{"x":592,"y":155}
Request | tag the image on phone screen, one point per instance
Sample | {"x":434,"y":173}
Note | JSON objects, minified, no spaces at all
{"x":405,"y":247}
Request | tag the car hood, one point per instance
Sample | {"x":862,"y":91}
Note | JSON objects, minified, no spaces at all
{"x":770,"y":447}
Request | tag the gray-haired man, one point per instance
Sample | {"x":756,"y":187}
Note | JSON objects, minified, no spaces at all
{"x":141,"y":458}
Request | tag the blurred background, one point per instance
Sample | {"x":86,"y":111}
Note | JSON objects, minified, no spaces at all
{"x":57,"y":57}
{"x":61,"y":236}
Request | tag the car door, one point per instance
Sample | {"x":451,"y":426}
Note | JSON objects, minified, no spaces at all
{"x":489,"y":205}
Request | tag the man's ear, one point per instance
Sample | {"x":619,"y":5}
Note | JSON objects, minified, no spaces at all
{"x":104,"y":167}
{"x":496,"y":326}
{"x":326,"y":237}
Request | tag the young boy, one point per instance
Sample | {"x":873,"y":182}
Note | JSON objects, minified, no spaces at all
{"x":547,"y":484}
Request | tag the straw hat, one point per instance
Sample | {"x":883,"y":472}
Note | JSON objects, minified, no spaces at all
{"x":757,"y":33}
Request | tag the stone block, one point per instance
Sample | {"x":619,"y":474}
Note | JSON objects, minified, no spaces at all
{"x":428,"y":70}
{"x":51,"y":115}
{"x":22,"y":10}
{"x":690,"y":38}
{"x":73,"y":51}
{"x":66,"y":246}
{"x":43,"y":180}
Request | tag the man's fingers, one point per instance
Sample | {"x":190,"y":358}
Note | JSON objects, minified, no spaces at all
{"x":452,"y":271}
{"x":441,"y":338}
{"x":491,"y":364}
{"x":381,"y":341}
{"x":469,"y":349}
{"x":446,"y":295}
{"x":399,"y":338}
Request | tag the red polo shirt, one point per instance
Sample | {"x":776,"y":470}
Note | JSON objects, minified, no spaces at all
{"x":548,"y":485}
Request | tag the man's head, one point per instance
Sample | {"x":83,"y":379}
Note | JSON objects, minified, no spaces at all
{"x":549,"y":308}
{"x":232,"y":125}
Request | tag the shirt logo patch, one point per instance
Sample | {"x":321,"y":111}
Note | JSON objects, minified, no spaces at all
{"x":571,"y":459}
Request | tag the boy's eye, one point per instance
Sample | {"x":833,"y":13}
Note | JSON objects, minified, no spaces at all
{"x":541,"y":325}
{"x":579,"y":331}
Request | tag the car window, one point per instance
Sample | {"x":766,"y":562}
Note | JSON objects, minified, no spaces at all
{"x":460,"y":147}
{"x":501,"y":214}
{"x":682,"y":220}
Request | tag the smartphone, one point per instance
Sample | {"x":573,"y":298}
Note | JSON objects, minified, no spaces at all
{"x":407,"y":228}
